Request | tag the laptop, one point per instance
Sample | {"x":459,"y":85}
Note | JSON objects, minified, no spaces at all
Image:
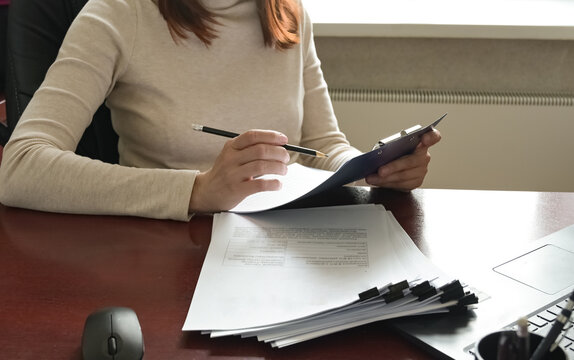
{"x":526,"y":282}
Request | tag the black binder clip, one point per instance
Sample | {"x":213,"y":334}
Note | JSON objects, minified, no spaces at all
{"x":393,"y":296}
{"x":468,"y":299}
{"x":396,"y":291}
{"x":423,"y":290}
{"x":369,"y":294}
{"x":451,"y":291}
{"x":403,"y":285}
{"x":463,"y":303}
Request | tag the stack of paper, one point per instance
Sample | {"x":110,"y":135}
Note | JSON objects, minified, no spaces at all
{"x":287,"y":276}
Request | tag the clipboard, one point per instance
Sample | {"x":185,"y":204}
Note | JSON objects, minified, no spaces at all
{"x":385,"y":151}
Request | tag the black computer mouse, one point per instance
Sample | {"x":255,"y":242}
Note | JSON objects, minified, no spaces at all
{"x":112,"y":333}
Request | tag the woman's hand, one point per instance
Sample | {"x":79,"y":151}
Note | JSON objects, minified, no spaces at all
{"x":236,"y":171}
{"x":407,"y":172}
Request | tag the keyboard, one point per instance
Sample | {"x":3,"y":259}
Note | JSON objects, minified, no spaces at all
{"x":541,"y":323}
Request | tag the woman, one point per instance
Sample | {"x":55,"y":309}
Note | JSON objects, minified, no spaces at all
{"x":162,"y":66}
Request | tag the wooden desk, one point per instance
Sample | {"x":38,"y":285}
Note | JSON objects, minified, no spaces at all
{"x":56,"y":269}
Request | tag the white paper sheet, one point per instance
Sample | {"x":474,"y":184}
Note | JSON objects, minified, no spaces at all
{"x":298,"y":181}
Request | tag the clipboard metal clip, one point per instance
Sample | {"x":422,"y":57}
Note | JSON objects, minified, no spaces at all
{"x":396,"y":136}
{"x":404,"y":133}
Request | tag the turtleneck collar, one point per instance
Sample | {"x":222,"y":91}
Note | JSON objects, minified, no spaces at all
{"x":221,"y":4}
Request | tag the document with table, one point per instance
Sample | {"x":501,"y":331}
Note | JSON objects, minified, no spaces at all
{"x":287,"y":276}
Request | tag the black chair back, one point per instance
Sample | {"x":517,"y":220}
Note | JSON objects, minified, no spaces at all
{"x":36,"y":29}
{"x":3,"y":22}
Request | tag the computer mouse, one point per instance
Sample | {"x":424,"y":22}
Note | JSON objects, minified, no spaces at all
{"x":112,"y":333}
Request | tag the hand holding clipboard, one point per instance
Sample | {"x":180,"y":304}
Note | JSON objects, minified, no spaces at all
{"x":386,"y":150}
{"x":408,"y":173}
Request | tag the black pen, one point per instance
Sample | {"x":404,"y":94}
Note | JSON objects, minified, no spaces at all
{"x":556,"y":329}
{"x":505,"y":345}
{"x":523,"y":338}
{"x":299,"y":149}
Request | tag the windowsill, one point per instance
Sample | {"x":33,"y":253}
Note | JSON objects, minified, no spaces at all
{"x":490,"y":19}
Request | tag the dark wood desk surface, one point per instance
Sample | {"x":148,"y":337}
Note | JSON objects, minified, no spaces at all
{"x":56,"y":269}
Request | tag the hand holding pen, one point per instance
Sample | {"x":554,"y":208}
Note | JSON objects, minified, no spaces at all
{"x":237,"y":170}
{"x":229,"y":134}
{"x":550,"y":342}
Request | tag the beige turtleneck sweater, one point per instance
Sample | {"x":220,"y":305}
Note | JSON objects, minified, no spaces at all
{"x":121,"y":51}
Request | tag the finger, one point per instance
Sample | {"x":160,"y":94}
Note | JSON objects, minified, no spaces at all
{"x":405,"y":186}
{"x":413,"y":175}
{"x":420,"y":158}
{"x":244,"y":189}
{"x":262,"y":152}
{"x":252,"y":137}
{"x":431,"y":138}
{"x":399,"y":185}
{"x":255,"y":169}
{"x":407,"y":179}
{"x":407,"y":172}
{"x":257,"y":185}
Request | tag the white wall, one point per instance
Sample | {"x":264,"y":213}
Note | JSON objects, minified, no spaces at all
{"x":497,"y":147}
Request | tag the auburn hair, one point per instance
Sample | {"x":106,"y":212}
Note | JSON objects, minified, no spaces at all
{"x":279,"y":21}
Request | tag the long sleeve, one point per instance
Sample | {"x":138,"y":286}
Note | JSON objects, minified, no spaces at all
{"x":320,"y":128}
{"x":40,"y":170}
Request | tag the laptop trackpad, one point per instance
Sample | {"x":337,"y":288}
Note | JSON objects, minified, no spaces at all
{"x":548,"y":269}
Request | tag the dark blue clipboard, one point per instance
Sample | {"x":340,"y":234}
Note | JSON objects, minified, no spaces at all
{"x":359,"y":167}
